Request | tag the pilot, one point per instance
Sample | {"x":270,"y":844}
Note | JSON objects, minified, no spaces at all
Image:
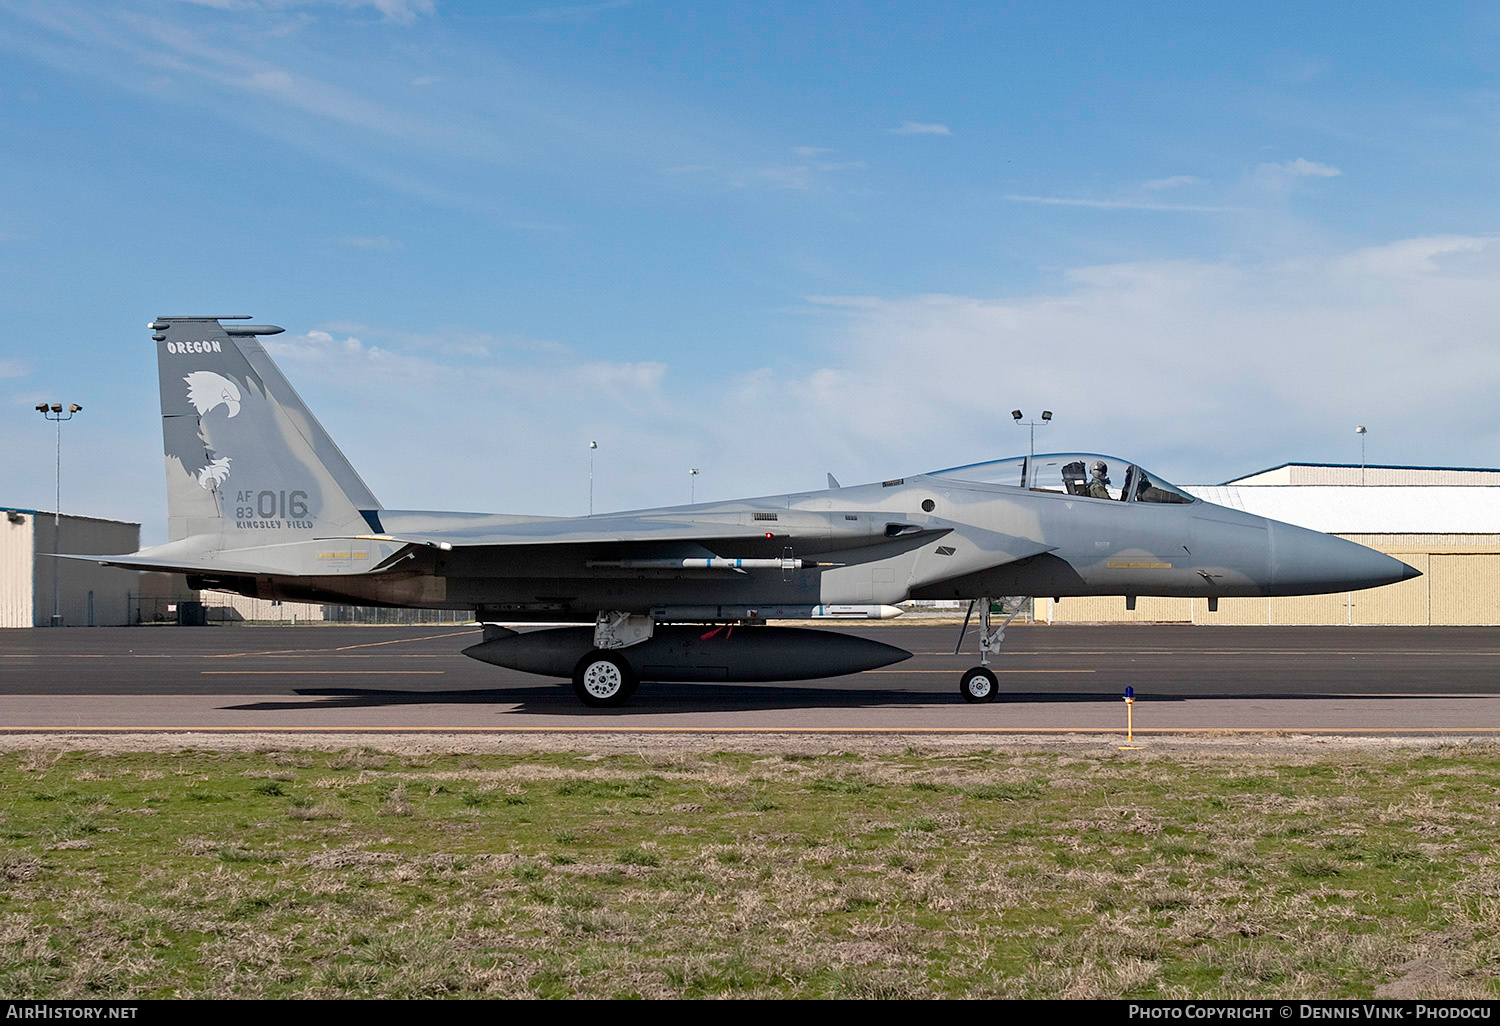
{"x":1145,"y":491}
{"x":1099,"y":480}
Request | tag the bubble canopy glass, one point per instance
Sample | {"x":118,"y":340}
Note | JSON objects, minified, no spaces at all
{"x":1084,"y":474}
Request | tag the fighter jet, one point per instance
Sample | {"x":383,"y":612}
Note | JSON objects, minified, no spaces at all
{"x":261,"y":502}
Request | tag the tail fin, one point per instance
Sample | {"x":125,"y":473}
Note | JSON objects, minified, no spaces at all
{"x":247,"y":462}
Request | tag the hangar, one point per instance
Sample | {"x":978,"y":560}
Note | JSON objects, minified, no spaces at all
{"x":90,"y":595}
{"x":87,"y":595}
{"x":1445,"y":521}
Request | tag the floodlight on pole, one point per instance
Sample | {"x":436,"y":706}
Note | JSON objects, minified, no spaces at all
{"x":1359,"y":429}
{"x":54,"y":412}
{"x":592,"y":447}
{"x":1017,"y":416}
{"x":693,"y":485}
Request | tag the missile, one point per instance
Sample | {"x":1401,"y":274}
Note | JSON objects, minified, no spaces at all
{"x":856,"y":612}
{"x":715,"y":563}
{"x":704,"y":652}
{"x":719,"y":614}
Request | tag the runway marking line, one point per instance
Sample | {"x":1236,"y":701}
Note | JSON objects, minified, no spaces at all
{"x":990,"y":731}
{"x":341,"y":648}
{"x":323,"y":673}
{"x":402,"y":641}
{"x":992,"y":669}
{"x":1413,"y":652}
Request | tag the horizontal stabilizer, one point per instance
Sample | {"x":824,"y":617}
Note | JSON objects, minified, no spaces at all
{"x":213,"y":566}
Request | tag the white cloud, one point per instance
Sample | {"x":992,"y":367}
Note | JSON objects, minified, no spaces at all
{"x":1206,"y":367}
{"x":461,"y":420}
{"x":401,"y":11}
{"x":1299,"y":168}
{"x":805,"y":176}
{"x":1173,"y":182}
{"x":920,"y":128}
{"x":791,"y":176}
{"x":810,"y":151}
{"x":1269,"y":178}
{"x":13,"y":369}
{"x":272,"y":81}
{"x":1122,"y":204}
{"x":1199,"y":369}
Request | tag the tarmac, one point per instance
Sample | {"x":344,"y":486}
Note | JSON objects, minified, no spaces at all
{"x":1053,"y":680}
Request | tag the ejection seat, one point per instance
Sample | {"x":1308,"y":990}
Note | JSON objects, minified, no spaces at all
{"x":1075,"y":478}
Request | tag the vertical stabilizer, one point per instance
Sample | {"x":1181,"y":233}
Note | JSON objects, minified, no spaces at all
{"x":247,"y":462}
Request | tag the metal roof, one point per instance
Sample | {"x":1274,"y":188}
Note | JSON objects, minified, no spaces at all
{"x":66,"y":516}
{"x":1296,"y":464}
{"x":1352,"y":509}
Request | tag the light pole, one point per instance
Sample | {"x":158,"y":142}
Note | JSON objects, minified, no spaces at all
{"x":1046,"y":419}
{"x":54,"y":412}
{"x":592,"y":447}
{"x":1359,"y":429}
{"x":693,"y":485}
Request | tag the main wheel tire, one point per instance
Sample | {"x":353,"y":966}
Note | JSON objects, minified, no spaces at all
{"x":979,"y":685}
{"x":603,"y":679}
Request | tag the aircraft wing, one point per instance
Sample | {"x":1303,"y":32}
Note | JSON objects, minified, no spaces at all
{"x":805,"y":529}
{"x":992,"y":548}
{"x":654,"y":534}
{"x":716,"y":542}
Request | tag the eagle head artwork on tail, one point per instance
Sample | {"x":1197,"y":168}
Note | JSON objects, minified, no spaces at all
{"x":208,"y":391}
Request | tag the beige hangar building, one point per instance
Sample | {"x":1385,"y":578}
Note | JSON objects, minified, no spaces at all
{"x":1445,"y":521}
{"x":88,"y":595}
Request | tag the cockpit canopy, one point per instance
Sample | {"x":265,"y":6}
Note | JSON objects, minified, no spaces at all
{"x":1088,"y":475}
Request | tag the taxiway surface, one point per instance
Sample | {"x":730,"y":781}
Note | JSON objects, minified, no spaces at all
{"x":1059,"y":678}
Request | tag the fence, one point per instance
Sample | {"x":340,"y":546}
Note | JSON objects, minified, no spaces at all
{"x":381,"y":615}
{"x":145,"y":610}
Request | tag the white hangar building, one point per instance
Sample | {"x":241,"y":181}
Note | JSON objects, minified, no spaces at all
{"x":89,"y":595}
{"x":1445,"y":521}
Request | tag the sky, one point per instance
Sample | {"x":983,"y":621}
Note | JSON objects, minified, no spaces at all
{"x":764,"y":240}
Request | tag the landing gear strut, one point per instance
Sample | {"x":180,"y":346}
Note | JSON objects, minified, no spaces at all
{"x":980,"y":683}
{"x":603,"y":677}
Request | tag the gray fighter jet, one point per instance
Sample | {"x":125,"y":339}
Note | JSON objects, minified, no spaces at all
{"x":261,"y":502}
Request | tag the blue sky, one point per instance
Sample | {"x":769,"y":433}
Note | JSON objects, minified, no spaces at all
{"x":765,"y":240}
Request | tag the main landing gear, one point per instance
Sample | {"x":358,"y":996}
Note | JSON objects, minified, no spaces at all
{"x":601,"y":677}
{"x":980,"y":683}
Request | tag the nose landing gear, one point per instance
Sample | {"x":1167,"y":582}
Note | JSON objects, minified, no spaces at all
{"x":980,"y":684}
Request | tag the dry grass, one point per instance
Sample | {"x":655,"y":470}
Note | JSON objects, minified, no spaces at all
{"x":873,"y":873}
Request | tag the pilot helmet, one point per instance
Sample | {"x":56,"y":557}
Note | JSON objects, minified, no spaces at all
{"x":1099,"y":469}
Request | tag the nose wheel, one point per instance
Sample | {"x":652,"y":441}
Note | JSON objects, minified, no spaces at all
{"x":978,"y":685}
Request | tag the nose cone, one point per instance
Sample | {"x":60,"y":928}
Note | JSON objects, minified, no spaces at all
{"x":1307,"y":562}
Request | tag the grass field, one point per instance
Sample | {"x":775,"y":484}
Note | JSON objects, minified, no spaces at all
{"x":1087,"y":872}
